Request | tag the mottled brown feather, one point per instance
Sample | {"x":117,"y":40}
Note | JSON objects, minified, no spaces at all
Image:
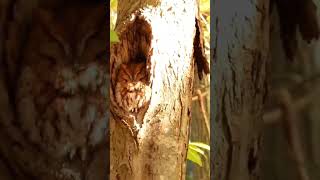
{"x":132,"y":90}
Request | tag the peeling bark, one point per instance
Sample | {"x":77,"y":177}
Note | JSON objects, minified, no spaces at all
{"x":239,"y":46}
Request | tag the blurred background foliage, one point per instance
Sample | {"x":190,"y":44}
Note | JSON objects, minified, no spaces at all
{"x":113,"y":13}
{"x":301,"y":79}
{"x":200,"y":122}
{"x":199,"y":165}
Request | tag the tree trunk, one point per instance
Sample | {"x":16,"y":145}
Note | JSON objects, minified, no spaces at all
{"x":240,"y":43}
{"x":151,"y":143}
{"x":53,"y":91}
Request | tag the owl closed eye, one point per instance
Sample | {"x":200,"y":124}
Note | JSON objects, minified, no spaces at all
{"x":132,"y":90}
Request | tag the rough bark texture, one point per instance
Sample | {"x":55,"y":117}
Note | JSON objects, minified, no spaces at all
{"x":161,"y":35}
{"x":240,"y":43}
{"x":53,"y":91}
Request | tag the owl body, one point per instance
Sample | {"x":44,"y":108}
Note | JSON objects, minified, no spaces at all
{"x":62,"y":88}
{"x":132,"y":89}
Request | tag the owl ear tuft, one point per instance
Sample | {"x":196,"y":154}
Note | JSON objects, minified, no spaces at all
{"x":93,"y":19}
{"x":94,"y":22}
{"x":45,"y":18}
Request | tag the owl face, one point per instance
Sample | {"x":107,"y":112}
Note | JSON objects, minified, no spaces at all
{"x":62,"y":88}
{"x":132,"y":91}
{"x":134,"y":76}
{"x":133,"y":72}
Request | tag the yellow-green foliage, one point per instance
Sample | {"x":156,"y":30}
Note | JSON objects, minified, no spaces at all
{"x":205,"y":18}
{"x":113,"y":13}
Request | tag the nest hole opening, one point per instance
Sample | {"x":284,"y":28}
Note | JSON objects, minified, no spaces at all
{"x":139,"y":37}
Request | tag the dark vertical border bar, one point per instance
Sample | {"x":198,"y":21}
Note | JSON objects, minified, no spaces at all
{"x":108,"y":61}
{"x":212,"y":104}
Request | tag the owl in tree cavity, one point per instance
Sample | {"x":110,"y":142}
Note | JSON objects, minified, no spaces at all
{"x":62,"y":89}
{"x":132,"y":88}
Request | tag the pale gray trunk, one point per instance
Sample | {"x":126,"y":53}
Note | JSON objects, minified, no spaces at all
{"x":240,"y":49}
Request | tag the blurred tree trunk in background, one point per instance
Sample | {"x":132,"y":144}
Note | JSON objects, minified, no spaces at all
{"x":302,"y":79}
{"x":240,"y":49}
{"x":313,"y":127}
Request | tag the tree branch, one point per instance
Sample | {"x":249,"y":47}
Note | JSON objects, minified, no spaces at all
{"x":291,"y":131}
{"x":203,"y":110}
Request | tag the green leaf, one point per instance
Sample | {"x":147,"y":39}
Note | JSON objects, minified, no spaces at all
{"x":113,"y":37}
{"x":113,"y":4}
{"x":198,"y":150}
{"x":201,"y":145}
{"x":194,"y":157}
{"x":204,"y":6}
{"x":113,"y":13}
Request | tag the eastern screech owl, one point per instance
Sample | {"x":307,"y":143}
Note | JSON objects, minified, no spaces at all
{"x":132,"y":89}
{"x":63,"y":85}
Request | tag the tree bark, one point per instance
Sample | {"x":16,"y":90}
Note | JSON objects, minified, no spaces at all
{"x":162,"y":33}
{"x":240,"y":44}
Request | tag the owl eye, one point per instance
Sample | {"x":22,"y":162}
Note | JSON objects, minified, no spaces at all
{"x":140,"y":76}
{"x":124,"y":77}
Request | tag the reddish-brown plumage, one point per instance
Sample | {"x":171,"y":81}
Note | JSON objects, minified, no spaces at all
{"x":132,"y":89}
